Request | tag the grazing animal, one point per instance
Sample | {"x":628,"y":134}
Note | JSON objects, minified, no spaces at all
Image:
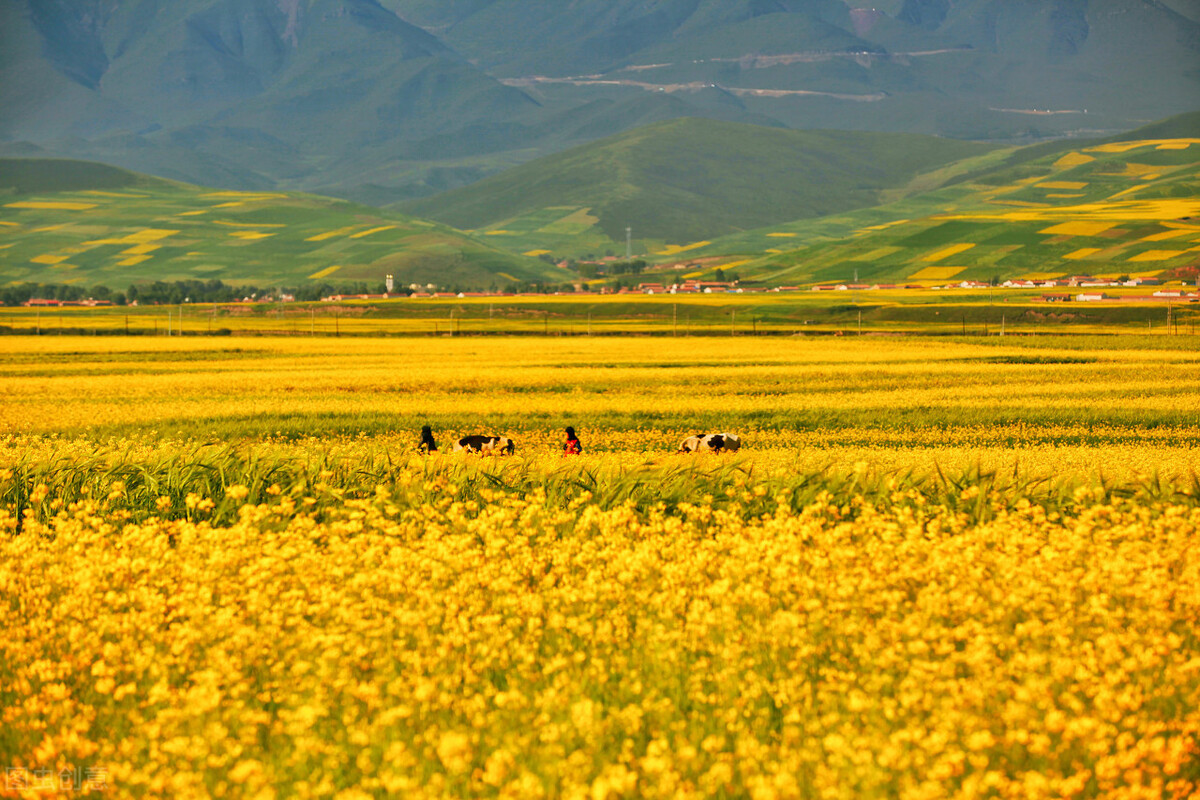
{"x":711,"y":443}
{"x":485,"y":445}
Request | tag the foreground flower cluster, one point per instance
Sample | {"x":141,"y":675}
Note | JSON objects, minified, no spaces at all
{"x":936,"y":569}
{"x":515,"y":645}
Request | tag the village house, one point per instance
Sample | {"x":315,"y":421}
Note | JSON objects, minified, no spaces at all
{"x":46,"y":302}
{"x":336,"y":297}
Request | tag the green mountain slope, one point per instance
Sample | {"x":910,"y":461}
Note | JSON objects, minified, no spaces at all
{"x":386,"y":100}
{"x":243,"y":93}
{"x":687,"y":179}
{"x":39,"y":175}
{"x":85,"y":223}
{"x":1129,"y":205}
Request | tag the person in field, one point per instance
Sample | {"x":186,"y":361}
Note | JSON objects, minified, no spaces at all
{"x":572,"y":447}
{"x":427,"y":445}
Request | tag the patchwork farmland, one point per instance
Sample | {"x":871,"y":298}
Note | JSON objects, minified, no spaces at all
{"x":144,"y":229}
{"x":1122,"y":208}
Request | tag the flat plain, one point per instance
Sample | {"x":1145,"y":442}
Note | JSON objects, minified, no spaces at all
{"x":938,"y":567}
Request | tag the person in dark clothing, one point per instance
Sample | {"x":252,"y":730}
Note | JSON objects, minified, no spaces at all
{"x":572,"y":446}
{"x":427,"y":445}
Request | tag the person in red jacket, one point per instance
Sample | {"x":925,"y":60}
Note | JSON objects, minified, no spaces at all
{"x":572,"y":446}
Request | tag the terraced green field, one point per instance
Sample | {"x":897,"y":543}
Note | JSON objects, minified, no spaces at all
{"x":80,"y":223}
{"x":1122,"y":208}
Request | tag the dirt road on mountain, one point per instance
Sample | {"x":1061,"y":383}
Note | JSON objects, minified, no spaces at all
{"x":749,"y":61}
{"x":693,"y":86}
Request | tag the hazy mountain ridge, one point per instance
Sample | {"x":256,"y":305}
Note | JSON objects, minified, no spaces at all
{"x":411,"y":97}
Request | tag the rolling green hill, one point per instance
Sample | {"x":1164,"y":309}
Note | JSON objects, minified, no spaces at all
{"x":83,"y":223}
{"x":1123,"y":206}
{"x":687,"y":179}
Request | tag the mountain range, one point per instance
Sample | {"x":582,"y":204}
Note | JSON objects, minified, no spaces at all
{"x":395,"y":100}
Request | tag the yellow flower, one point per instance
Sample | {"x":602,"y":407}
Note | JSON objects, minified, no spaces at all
{"x":454,"y":751}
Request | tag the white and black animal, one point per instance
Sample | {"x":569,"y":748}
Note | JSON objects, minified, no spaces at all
{"x":485,"y":445}
{"x":711,"y":443}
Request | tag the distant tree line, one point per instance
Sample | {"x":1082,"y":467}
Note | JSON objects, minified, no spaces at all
{"x":592,"y":270}
{"x":216,"y":291}
{"x":175,"y":292}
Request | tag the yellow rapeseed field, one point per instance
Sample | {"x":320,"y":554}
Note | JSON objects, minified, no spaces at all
{"x":936,"y":569}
